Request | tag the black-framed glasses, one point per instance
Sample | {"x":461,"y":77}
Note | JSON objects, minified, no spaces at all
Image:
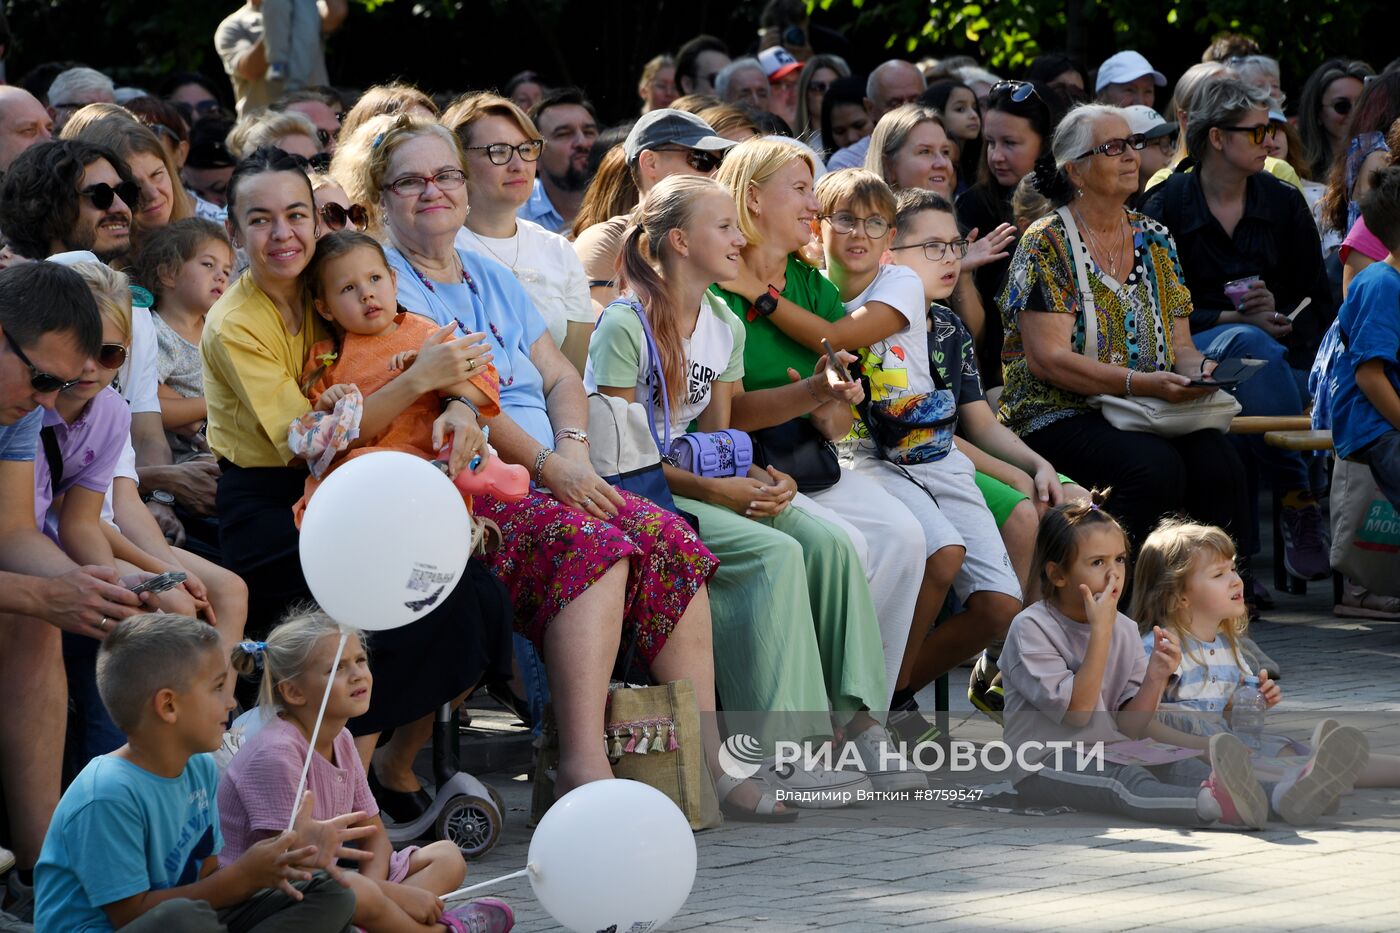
{"x":336,"y":216}
{"x":501,"y":153}
{"x":102,"y":194}
{"x":698,"y":159}
{"x":412,"y":186}
{"x":1256,"y":133}
{"x":844,"y":222}
{"x":1342,"y":105}
{"x":1020,"y":91}
{"x":320,"y":162}
{"x":324,"y":136}
{"x":1116,"y":147}
{"x":111,"y":356}
{"x":935,"y":250}
{"x":38,"y":379}
{"x":818,"y":87}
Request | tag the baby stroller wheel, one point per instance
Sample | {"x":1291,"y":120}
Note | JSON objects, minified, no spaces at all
{"x":471,"y":824}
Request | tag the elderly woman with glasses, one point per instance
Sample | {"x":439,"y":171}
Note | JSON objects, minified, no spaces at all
{"x":1143,"y":348}
{"x":1250,"y":254}
{"x":589,"y":568}
{"x":503,"y":149}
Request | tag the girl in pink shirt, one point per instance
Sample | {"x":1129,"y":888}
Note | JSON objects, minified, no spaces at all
{"x":394,"y":891}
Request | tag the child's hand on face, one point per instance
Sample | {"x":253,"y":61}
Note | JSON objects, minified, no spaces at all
{"x":423,"y":906}
{"x":402,"y":360}
{"x":334,"y":394}
{"x":1166,"y":654}
{"x":1268,"y":689}
{"x":1102,"y":610}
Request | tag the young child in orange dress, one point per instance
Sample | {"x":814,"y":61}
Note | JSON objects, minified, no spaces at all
{"x":379,"y":345}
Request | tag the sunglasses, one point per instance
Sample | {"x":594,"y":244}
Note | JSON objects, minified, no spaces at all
{"x":935,"y":250}
{"x":818,"y":87}
{"x":102,"y":194}
{"x":1116,"y":147}
{"x":500,"y":153}
{"x":1341,"y":106}
{"x":324,"y":137}
{"x":320,"y":162}
{"x":703,"y":162}
{"x":40,"y":381}
{"x":1256,"y":133}
{"x":1020,"y":90}
{"x":336,"y":216}
{"x":111,"y":356}
{"x":844,"y":223}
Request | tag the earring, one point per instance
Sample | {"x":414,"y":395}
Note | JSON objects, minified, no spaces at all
{"x":1079,"y":192}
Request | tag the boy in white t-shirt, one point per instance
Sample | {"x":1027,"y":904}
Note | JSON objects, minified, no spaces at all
{"x":910,"y":450}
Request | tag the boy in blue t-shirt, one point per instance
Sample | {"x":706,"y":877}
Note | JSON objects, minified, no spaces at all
{"x":1366,"y":376}
{"x":133,"y":841}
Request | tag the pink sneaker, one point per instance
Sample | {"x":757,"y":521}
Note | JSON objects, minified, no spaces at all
{"x":484,"y":915}
{"x":1233,"y":785}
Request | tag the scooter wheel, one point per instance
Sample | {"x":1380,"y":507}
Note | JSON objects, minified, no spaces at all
{"x":496,"y":799}
{"x":470,"y":823}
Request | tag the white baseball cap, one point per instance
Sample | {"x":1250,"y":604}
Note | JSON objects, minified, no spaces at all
{"x":778,"y":63}
{"x":1143,"y":119}
{"x":1124,"y":67}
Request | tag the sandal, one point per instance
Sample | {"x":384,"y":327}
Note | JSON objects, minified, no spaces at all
{"x":764,"y":810}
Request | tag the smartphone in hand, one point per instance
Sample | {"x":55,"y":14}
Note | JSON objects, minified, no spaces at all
{"x":161,"y":582}
{"x":1229,"y":373}
{"x":834,"y":363}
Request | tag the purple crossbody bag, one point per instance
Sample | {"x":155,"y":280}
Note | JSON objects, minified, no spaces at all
{"x":704,"y":453}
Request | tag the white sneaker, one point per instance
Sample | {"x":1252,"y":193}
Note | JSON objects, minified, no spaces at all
{"x":1338,"y":758}
{"x":883,"y":761}
{"x":814,"y":788}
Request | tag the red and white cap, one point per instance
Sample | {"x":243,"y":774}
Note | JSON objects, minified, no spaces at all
{"x":778,"y":63}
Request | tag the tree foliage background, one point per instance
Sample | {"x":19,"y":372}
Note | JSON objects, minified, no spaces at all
{"x":454,"y":45}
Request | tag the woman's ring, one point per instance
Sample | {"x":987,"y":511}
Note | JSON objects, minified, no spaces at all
{"x":102,"y":625}
{"x":587,"y":500}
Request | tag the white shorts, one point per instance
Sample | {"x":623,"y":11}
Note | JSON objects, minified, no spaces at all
{"x":959,"y":518}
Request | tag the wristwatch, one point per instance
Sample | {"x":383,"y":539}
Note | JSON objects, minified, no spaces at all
{"x":767,"y":303}
{"x":159,"y":497}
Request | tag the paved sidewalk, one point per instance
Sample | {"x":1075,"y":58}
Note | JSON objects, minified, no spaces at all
{"x":927,"y":866}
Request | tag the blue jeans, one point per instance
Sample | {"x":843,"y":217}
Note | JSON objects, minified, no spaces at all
{"x":1274,"y":390}
{"x":93,"y":732}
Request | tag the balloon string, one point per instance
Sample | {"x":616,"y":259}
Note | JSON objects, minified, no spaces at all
{"x":486,"y":884}
{"x":315,"y":731}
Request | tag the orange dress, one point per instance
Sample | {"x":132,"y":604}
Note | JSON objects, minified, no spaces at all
{"x":364,"y":361}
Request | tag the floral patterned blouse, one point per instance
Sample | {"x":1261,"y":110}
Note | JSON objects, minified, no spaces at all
{"x":1135,"y":317}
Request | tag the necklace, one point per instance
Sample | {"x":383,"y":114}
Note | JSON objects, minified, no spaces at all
{"x":495,"y":255}
{"x":1097,"y":245}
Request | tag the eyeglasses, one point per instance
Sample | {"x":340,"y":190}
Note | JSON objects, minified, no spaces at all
{"x":1256,"y":133}
{"x":843,"y":223}
{"x":935,"y":250}
{"x":1341,"y":106}
{"x":501,"y":153}
{"x":698,"y":159}
{"x":320,"y":162}
{"x":111,"y":356}
{"x":818,"y":87}
{"x":324,"y":137}
{"x":102,"y":194}
{"x":411,"y":186}
{"x":336,"y":216}
{"x":41,"y":381}
{"x":1116,"y":147}
{"x":1020,"y":90}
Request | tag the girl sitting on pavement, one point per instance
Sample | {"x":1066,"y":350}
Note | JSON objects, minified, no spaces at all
{"x":1186,"y":584}
{"x":394,"y":891}
{"x":1074,"y":670}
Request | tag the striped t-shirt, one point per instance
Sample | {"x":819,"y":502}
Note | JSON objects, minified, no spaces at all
{"x":1195,"y":697}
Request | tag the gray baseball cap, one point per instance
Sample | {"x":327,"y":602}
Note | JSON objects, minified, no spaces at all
{"x":674,"y":128}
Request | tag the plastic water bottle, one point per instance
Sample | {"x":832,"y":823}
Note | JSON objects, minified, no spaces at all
{"x":1247,"y":713}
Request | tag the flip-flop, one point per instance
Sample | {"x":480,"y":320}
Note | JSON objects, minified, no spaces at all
{"x":763,"y":812}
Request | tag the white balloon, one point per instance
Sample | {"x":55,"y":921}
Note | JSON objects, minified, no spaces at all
{"x":613,"y":855}
{"x":384,"y":540}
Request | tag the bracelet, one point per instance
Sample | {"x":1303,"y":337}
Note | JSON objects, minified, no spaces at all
{"x":571,"y":434}
{"x":449,"y":399}
{"x":1129,"y":382}
{"x":540,"y":458}
{"x":813,"y":392}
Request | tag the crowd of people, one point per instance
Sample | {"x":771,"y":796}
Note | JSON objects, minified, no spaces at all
{"x":920,"y":294}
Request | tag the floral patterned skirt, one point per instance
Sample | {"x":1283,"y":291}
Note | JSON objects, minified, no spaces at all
{"x":552,"y":552}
